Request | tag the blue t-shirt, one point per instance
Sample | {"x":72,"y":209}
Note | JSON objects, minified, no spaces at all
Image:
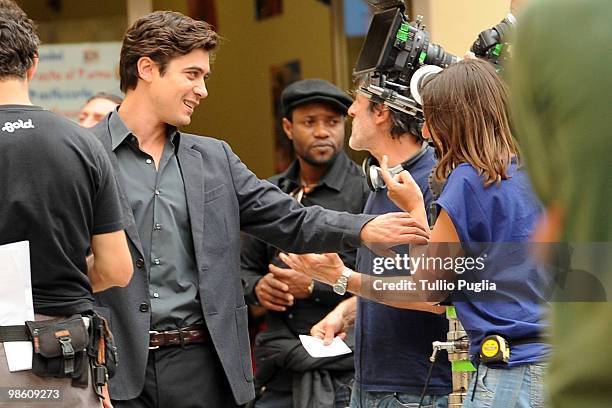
{"x":393,"y":345}
{"x":495,"y":223}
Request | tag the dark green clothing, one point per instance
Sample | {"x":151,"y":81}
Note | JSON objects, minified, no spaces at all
{"x":562,"y":91}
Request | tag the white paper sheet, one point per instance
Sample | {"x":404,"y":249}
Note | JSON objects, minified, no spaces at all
{"x":314,"y":346}
{"x":16,"y":304}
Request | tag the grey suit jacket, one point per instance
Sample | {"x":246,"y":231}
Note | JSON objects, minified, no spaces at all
{"x":223,"y":197}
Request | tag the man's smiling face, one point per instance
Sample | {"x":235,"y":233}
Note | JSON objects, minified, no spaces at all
{"x":178,"y":90}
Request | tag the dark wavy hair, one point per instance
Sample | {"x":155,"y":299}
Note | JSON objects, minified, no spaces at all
{"x":162,"y":36}
{"x":18,"y":41}
{"x":401,"y":123}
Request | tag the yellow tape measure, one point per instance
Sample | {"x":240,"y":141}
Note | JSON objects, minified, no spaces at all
{"x":494,"y":349}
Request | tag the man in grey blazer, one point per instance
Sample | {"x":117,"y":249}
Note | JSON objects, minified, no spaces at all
{"x":181,"y":324}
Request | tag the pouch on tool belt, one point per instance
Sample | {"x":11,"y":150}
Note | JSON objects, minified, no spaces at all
{"x":99,"y":328}
{"x":60,"y":349}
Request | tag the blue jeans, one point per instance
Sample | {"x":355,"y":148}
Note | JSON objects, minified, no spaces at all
{"x":375,"y":399}
{"x":518,"y":387}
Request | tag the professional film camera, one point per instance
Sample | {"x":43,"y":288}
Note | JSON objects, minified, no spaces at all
{"x":493,"y":44}
{"x":395,"y":58}
{"x":397,"y":55}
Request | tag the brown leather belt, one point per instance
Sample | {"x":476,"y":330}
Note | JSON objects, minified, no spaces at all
{"x":186,"y":335}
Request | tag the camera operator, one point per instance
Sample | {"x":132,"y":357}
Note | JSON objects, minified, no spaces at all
{"x":392,"y":345}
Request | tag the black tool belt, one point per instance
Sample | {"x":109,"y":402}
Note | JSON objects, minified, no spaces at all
{"x":66,"y":348}
{"x":14,"y":333}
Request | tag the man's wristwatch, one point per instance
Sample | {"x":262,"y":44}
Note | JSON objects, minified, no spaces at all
{"x":342,"y":282}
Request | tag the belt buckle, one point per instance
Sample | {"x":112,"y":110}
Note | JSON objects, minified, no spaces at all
{"x":150,"y":333}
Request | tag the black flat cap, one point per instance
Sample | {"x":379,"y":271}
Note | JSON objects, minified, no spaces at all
{"x":314,"y":90}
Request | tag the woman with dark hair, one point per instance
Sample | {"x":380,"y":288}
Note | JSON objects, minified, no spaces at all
{"x":487,"y":205}
{"x":487,"y":212}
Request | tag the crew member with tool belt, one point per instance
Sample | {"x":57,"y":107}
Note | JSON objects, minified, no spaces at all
{"x":59,"y":194}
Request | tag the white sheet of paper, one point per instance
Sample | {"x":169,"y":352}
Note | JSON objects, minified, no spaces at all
{"x":314,"y":346}
{"x":16,"y":305}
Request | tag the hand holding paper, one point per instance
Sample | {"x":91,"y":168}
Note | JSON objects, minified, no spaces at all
{"x":314,"y":346}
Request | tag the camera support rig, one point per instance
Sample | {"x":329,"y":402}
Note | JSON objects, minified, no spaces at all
{"x":457,"y":346}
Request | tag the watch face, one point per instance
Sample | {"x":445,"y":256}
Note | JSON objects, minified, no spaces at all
{"x":339,"y":288}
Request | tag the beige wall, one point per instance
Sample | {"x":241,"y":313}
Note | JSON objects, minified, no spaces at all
{"x":77,"y":20}
{"x":454,"y":24}
{"x":174,"y":5}
{"x":239,"y":106}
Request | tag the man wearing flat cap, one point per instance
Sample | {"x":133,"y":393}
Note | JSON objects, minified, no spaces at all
{"x":314,"y":113}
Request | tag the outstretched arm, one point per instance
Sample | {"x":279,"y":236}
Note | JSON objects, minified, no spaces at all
{"x":273,"y":216}
{"x":327,"y":268}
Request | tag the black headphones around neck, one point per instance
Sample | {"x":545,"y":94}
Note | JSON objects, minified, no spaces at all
{"x":371,"y":168}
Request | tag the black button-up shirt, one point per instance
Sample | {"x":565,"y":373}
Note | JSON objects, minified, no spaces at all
{"x":158,"y":201}
{"x":342,"y":188}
